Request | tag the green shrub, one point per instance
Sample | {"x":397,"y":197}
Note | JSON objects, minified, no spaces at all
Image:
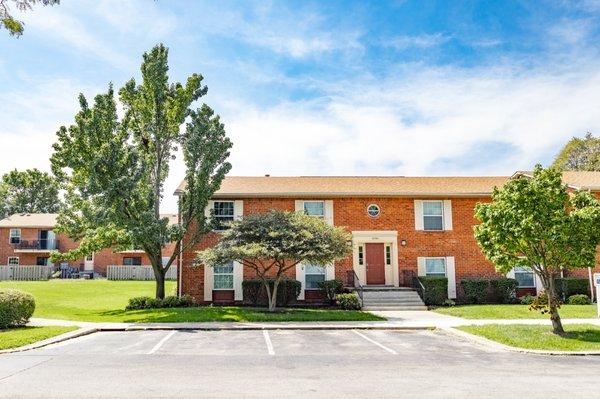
{"x":504,"y":290}
{"x":566,"y":287}
{"x":16,"y":307}
{"x":435,"y":290}
{"x":138,"y":302}
{"x":449,"y":303}
{"x":348,"y":301}
{"x":255,"y":294}
{"x":527,"y":299}
{"x":186,"y":301}
{"x":579,"y":299}
{"x":170,"y":301}
{"x":475,"y":289}
{"x":331,"y":288}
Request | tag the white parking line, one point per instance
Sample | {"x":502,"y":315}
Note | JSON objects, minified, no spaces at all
{"x":268,"y":342}
{"x":393,"y":352}
{"x":161,"y":342}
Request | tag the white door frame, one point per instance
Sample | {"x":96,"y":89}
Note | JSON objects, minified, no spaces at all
{"x":388,"y":237}
{"x":88,"y":265}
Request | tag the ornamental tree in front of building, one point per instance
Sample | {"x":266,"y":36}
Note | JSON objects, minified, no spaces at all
{"x":275,"y":242}
{"x":538,"y":222}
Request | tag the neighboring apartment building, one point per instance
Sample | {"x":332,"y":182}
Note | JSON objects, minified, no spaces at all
{"x":29,"y":238}
{"x":401,"y":227}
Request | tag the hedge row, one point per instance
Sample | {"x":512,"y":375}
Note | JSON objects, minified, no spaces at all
{"x":569,"y":286}
{"x":480,"y":290}
{"x":255,"y":294}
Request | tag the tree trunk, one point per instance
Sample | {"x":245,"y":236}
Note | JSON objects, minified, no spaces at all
{"x":160,"y":283}
{"x":273,"y":296}
{"x":557,"y":327}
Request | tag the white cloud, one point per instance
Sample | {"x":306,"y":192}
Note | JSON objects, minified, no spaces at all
{"x":419,"y":41}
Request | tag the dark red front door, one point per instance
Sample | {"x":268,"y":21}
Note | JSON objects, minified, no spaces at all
{"x":375,"y":263}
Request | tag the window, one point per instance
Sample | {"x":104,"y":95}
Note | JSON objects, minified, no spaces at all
{"x":41,"y":261}
{"x":314,"y":274}
{"x":315,"y":208}
{"x":13,"y":261}
{"x":433,"y":215}
{"x":525,"y":277}
{"x":388,"y":255}
{"x":435,"y":267}
{"x":132,"y":260}
{"x":361,"y":255}
{"x":373,"y":210}
{"x":15,"y":236}
{"x":89,"y":258}
{"x":223,"y":214}
{"x":223,"y":277}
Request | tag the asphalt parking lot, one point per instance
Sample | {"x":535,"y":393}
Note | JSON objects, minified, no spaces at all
{"x":289,"y":363}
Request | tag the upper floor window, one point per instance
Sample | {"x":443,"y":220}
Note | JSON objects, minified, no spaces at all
{"x":315,"y":208}
{"x":223,"y":277}
{"x":373,"y":210}
{"x":435,"y":267}
{"x":132,"y":260}
{"x":433,"y":215}
{"x":525,"y":277}
{"x":223,"y":212}
{"x":15,"y":236}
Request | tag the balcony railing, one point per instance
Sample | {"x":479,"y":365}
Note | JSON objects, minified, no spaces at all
{"x":40,"y":245}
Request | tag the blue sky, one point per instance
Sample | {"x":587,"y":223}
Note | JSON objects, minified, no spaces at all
{"x":328,"y":88}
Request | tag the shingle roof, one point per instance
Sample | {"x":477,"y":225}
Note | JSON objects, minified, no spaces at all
{"x":32,"y":220}
{"x":359,"y":186}
{"x":366,"y":186}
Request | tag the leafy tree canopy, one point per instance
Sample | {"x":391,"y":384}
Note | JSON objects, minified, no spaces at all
{"x":14,"y":26}
{"x":113,"y":169}
{"x":275,"y":242}
{"x":28,"y":191}
{"x":537,"y":222}
{"x":579,"y":154}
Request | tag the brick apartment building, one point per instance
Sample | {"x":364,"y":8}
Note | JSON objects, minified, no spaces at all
{"x":401,"y":227}
{"x":28,"y":239}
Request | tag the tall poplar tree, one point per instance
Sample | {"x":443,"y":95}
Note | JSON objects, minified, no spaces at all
{"x":113,"y":169}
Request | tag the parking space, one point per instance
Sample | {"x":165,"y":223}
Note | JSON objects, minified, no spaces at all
{"x":287,"y":363}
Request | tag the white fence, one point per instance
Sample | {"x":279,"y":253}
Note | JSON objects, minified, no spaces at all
{"x":114,"y":272}
{"x":25,"y":272}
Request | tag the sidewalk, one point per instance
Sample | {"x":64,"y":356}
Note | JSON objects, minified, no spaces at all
{"x":396,"y":320}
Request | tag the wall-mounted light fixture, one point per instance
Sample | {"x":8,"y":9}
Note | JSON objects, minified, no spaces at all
{"x":403,"y":243}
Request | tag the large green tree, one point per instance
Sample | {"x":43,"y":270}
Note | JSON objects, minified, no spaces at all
{"x":536,"y":222}
{"x":113,"y":169}
{"x":579,"y":154}
{"x":14,"y":26}
{"x":28,"y":191}
{"x":272,"y":243}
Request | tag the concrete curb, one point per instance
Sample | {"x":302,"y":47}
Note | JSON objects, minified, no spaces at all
{"x":488,"y":343}
{"x":52,"y":340}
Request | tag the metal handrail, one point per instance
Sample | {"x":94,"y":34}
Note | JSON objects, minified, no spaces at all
{"x":356,"y":283}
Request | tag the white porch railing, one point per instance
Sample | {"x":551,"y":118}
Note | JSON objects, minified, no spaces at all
{"x":116,"y":272}
{"x":31,"y":273}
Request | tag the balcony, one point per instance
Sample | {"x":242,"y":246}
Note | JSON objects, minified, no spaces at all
{"x":44,"y":245}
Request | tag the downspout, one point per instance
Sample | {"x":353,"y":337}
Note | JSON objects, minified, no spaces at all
{"x":180,"y":256}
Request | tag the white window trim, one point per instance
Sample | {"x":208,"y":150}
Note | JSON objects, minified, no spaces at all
{"x":443,"y":215}
{"x":437,"y":257}
{"x":10,"y":236}
{"x":514,"y":275}
{"x":225,"y":274}
{"x":13,"y":257}
{"x":361,"y":255}
{"x":327,"y":208}
{"x":378,"y":211}
{"x":324,"y":274}
{"x":212,"y":207}
{"x":387,"y":251}
{"x":317,"y":216}
{"x":450,"y":272}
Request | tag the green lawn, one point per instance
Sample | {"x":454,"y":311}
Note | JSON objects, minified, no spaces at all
{"x":104,"y":301}
{"x":516,"y":312}
{"x":15,"y":337}
{"x":579,"y":337}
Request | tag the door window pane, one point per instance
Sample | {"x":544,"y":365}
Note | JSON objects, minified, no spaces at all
{"x":435,"y":267}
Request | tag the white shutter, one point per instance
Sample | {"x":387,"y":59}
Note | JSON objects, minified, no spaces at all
{"x":299,"y":206}
{"x":208,"y":283}
{"x":238,"y":209}
{"x":419,"y":215}
{"x":238,"y":277}
{"x":539,"y":287}
{"x":329,"y":212}
{"x":300,"y":277}
{"x":330,"y":272}
{"x":421,"y":267}
{"x":451,"y":275}
{"x":447,"y":215}
{"x":209,"y":207}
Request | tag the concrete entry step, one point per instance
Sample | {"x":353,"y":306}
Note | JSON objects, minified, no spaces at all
{"x":391,"y":298}
{"x":396,"y":307}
